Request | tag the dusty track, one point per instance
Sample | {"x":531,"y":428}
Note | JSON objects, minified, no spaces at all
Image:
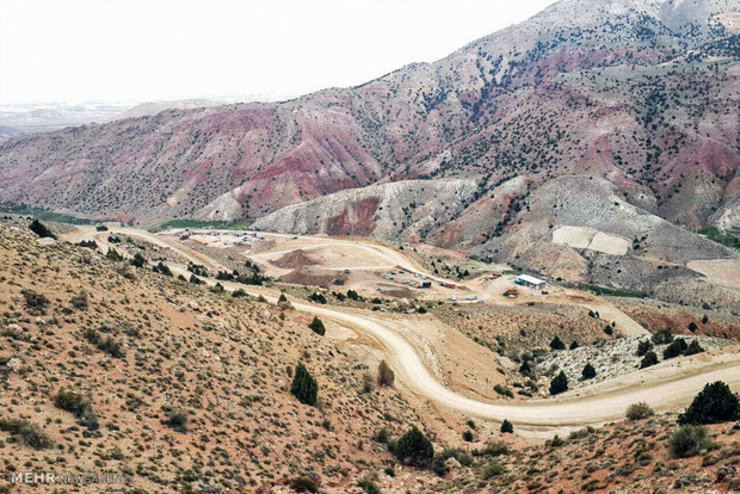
{"x":592,"y":405}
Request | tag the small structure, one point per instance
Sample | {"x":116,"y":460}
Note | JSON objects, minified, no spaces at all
{"x":530,"y":281}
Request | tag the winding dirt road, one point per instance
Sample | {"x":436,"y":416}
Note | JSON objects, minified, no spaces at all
{"x":591,"y":405}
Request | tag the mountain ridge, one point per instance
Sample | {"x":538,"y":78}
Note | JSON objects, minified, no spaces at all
{"x":603,"y":93}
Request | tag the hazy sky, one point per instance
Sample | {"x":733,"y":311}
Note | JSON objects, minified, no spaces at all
{"x":142,"y":50}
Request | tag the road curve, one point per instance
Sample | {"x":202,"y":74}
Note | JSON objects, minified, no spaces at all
{"x":599,"y":407}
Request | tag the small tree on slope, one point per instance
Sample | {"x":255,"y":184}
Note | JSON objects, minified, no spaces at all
{"x":304,"y":386}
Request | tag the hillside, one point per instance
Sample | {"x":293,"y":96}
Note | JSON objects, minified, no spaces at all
{"x":169,"y":385}
{"x":218,"y":364}
{"x":642,"y":93}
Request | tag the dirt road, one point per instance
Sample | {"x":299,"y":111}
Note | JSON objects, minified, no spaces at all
{"x":591,"y":405}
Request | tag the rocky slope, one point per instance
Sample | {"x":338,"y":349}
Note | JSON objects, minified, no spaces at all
{"x":643,"y":93}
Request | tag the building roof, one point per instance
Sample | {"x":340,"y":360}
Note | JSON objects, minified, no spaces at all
{"x":531,"y":280}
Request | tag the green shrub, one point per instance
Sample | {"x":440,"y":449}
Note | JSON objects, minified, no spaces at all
{"x":676,"y":348}
{"x":648,"y":360}
{"x":368,"y":486}
{"x":495,"y":448}
{"x":177,"y":420}
{"x":503,"y":390}
{"x":492,"y":470}
{"x":507,"y":427}
{"x":317,"y":297}
{"x":304,"y":386}
{"x":303,"y":484}
{"x":559,"y":384}
{"x":79,"y":301}
{"x":198,"y":269}
{"x":689,"y":440}
{"x":108,"y":345}
{"x":639,"y":411}
{"x":468,"y":436}
{"x":138,"y":261}
{"x":26,"y":433}
{"x":413,"y":448}
{"x":588,"y":371}
{"x":162,"y":268}
{"x":439,"y":465}
{"x":317,"y":326}
{"x":662,"y":337}
{"x":386,"y":376}
{"x":71,"y":402}
{"x":36,"y":303}
{"x":694,"y":348}
{"x":714,"y":404}
{"x":557,"y":344}
{"x":113,"y":255}
{"x":643,"y":347}
{"x":40,"y":229}
{"x":238,"y":293}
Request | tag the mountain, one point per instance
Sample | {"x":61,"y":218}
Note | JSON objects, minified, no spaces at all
{"x":641,"y":94}
{"x":48,"y":117}
{"x":154,"y":107}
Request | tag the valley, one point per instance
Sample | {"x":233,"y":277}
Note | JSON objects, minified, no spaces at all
{"x":512,"y":269}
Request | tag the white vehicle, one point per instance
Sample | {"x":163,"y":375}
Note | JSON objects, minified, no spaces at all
{"x":470,"y":298}
{"x":453,"y":298}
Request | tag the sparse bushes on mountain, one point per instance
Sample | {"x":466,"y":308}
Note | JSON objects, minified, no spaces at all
{"x":557,"y":344}
{"x":318,"y":298}
{"x":27,"y":433}
{"x":675,"y":349}
{"x":689,"y":440}
{"x":662,"y":337}
{"x":238,"y":293}
{"x":78,"y":406}
{"x":413,"y":448}
{"x":162,"y":268}
{"x":639,"y":411}
{"x":507,"y":427}
{"x":88,"y":244}
{"x":36,"y":303}
{"x":588,"y":371}
{"x":352,"y":295}
{"x":317,"y":326}
{"x":693,"y":327}
{"x":304,"y":386}
{"x":41,"y":230}
{"x":468,"y":436}
{"x":386,"y":376}
{"x":643,"y":347}
{"x":648,"y":360}
{"x":714,"y":404}
{"x":559,"y":384}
